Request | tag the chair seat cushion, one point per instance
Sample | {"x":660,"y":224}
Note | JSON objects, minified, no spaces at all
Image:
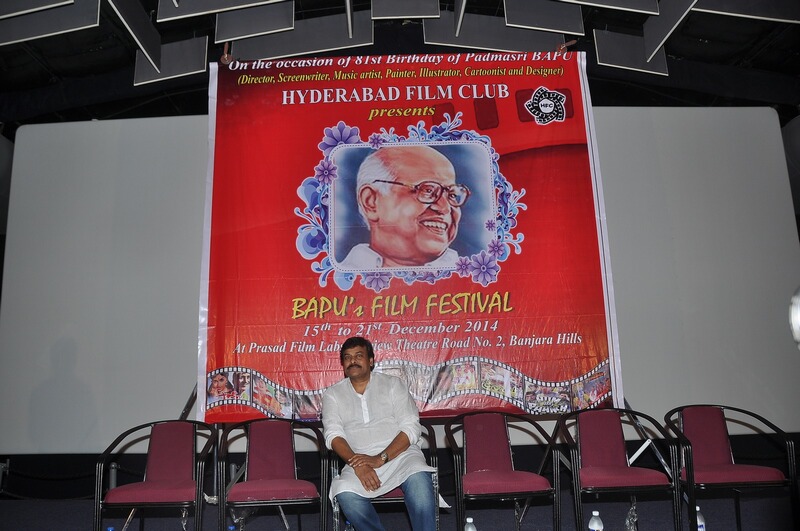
{"x":272,"y":489}
{"x":621,"y":476}
{"x":503,"y":481}
{"x":152,"y":492}
{"x":735,"y":474}
{"x":396,"y":493}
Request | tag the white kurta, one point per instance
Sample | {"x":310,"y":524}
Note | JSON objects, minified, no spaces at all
{"x":362,"y":257}
{"x":368,"y":423}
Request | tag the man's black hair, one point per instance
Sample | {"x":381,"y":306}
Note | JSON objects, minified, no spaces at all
{"x":356,"y":341}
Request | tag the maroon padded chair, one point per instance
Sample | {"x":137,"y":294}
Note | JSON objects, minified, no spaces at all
{"x":173,"y":475}
{"x":708,"y":457}
{"x":269,"y":477}
{"x":600,"y":462}
{"x":485,"y":469}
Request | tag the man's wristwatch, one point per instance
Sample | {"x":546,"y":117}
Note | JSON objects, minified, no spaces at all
{"x":385,"y":457}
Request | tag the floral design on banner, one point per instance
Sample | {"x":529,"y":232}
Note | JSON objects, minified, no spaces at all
{"x":314,"y":237}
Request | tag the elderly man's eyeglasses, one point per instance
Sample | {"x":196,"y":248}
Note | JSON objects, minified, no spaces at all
{"x":428,"y":192}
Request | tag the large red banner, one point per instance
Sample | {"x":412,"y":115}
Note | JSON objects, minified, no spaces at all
{"x":445,"y":206}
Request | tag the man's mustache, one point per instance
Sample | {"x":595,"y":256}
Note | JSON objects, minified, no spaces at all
{"x":353,"y":365}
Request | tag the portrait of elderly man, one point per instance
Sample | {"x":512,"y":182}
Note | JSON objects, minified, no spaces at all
{"x":411,"y":202}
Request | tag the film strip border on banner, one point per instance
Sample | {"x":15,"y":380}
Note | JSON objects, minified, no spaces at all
{"x":475,"y":375}
{"x":429,"y":385}
{"x":247,"y":387}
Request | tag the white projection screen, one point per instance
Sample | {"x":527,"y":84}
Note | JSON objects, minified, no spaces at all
{"x":98,"y":322}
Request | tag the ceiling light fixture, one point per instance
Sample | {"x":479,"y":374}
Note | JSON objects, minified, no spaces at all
{"x":564,"y":45}
{"x":226,"y":58}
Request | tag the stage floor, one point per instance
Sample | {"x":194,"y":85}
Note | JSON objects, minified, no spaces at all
{"x":773,"y":514}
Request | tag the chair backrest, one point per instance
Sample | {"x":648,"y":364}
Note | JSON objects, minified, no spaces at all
{"x":706,"y":429}
{"x":270,"y":450}
{"x":171,"y":451}
{"x":486,"y":445}
{"x":600,"y":439}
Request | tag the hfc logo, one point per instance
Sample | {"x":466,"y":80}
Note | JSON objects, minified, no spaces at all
{"x":546,"y":106}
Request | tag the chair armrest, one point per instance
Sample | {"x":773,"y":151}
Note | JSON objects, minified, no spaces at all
{"x":429,"y":434}
{"x":451,"y":428}
{"x":211,"y":442}
{"x":314,"y":434}
{"x":561,"y":432}
{"x":520,"y":422}
{"x":103,"y":459}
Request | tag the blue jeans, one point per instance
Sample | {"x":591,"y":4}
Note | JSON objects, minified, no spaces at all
{"x":419,"y":499}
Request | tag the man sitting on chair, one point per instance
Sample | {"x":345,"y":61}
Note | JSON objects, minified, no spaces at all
{"x":372,"y":423}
